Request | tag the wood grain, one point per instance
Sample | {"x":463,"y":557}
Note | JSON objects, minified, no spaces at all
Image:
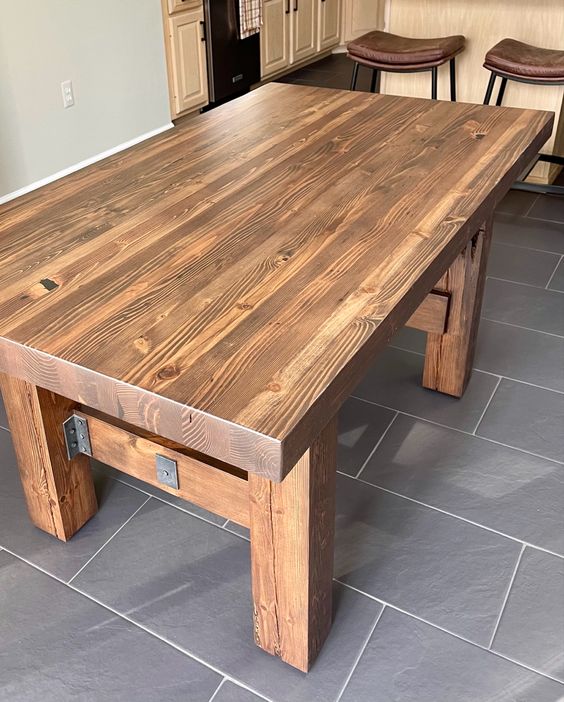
{"x":59,"y":493}
{"x":227,"y":287}
{"x":209,"y":487}
{"x":292,"y":532}
{"x":431,"y":315}
{"x":449,"y":356}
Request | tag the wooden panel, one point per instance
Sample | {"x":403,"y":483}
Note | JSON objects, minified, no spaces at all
{"x":329,"y":24}
{"x":188,"y":56}
{"x":431,"y":315}
{"x":183,"y":5}
{"x":292,"y":531}
{"x":304,"y":29}
{"x":227,"y":287}
{"x":275,"y":37}
{"x":361,"y":16}
{"x":540,"y":23}
{"x":59,"y":493}
{"x":449,"y":356}
{"x":206,"y":486}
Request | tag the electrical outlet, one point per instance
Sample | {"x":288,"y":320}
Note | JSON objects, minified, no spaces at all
{"x":68,"y":95}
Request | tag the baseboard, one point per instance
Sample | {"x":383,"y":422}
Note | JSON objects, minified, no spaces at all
{"x":83,"y":164}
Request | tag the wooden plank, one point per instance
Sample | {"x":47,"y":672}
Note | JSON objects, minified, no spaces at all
{"x":209,"y":487}
{"x":59,"y":493}
{"x":292,"y":532}
{"x":227,"y":288}
{"x":431,"y":315}
{"x":449,"y":356}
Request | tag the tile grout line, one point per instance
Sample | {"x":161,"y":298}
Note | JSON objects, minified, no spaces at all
{"x":455,"y":516}
{"x":359,"y":656}
{"x":140,"y":626}
{"x":481,"y":370}
{"x":529,"y":248}
{"x":533,"y":203}
{"x":553,"y":274}
{"x":218,"y":688}
{"x":488,"y":403}
{"x":525,"y":285}
{"x":520,"y":326}
{"x":462,"y":431}
{"x":450,"y":633}
{"x":377,"y":444}
{"x":108,"y":541}
{"x":506,"y":598}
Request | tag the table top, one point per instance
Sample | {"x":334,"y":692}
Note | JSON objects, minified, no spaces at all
{"x":227,"y":284}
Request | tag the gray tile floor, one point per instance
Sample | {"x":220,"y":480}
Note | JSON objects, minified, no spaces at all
{"x":449,"y":573}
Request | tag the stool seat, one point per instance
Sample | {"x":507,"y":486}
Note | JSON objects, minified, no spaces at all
{"x":385,"y":49}
{"x":514,"y":58}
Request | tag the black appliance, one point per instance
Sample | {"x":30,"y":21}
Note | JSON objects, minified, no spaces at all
{"x":233,"y":63}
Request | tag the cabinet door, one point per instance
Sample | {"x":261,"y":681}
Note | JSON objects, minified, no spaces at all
{"x":329,"y":23}
{"x":189,"y":73}
{"x":304,"y":29}
{"x":274,"y":37}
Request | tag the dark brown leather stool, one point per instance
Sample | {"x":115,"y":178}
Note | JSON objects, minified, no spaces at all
{"x":513,"y":60}
{"x":382,"y":51}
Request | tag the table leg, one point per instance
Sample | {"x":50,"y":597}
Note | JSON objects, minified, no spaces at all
{"x":59,"y":493}
{"x":449,"y":356}
{"x":292,"y":535}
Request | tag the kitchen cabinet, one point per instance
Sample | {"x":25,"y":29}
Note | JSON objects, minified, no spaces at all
{"x":329,"y":24}
{"x":295,"y":31}
{"x":361,"y":16}
{"x":186,"y":55}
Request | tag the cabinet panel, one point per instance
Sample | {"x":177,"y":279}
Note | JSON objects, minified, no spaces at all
{"x":329,"y":24}
{"x":190,"y":82}
{"x":274,"y":37}
{"x":182,"y":5}
{"x":361,"y":16}
{"x":304,"y":29}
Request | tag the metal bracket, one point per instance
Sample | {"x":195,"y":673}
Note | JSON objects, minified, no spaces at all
{"x":167,"y":473}
{"x":77,"y":438}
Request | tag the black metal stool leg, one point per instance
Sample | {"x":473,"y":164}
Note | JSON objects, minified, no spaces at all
{"x":375,"y":84}
{"x":434,"y":80}
{"x":354,"y":75}
{"x":490,"y":88}
{"x":452,"y":80}
{"x":501,"y":92}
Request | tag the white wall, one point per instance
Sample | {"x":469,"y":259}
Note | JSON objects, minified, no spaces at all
{"x":113,"y":52}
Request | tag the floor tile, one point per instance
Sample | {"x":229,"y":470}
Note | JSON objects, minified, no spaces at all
{"x":189,"y":581}
{"x":410,"y":340}
{"x":160,"y":494}
{"x":517,"y":202}
{"x":409,"y":661}
{"x":557,"y":281}
{"x":524,"y":306}
{"x":521,"y":354}
{"x":526,"y":417}
{"x":229,"y":692}
{"x":3,"y":417}
{"x":117,"y":503}
{"x":530,"y":233}
{"x":361,"y":425}
{"x":58,"y":645}
{"x":521,"y":265}
{"x":548,"y":207}
{"x":501,"y":488}
{"x":395,"y":381}
{"x":531,"y":630}
{"x":444,"y":570}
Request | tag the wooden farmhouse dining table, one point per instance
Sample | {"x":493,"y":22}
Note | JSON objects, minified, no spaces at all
{"x":195,"y":310}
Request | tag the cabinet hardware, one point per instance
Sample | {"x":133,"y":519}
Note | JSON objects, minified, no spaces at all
{"x":288,"y":7}
{"x":295,"y":5}
{"x":203,"y":26}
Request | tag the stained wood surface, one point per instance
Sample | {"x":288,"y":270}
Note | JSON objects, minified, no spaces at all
{"x":59,"y":493}
{"x":431,"y":315}
{"x":227,"y":284}
{"x":292,"y":533}
{"x":209,"y":487}
{"x":449,"y":355}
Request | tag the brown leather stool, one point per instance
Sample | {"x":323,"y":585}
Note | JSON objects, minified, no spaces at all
{"x":513,"y":60}
{"x":382,"y":51}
